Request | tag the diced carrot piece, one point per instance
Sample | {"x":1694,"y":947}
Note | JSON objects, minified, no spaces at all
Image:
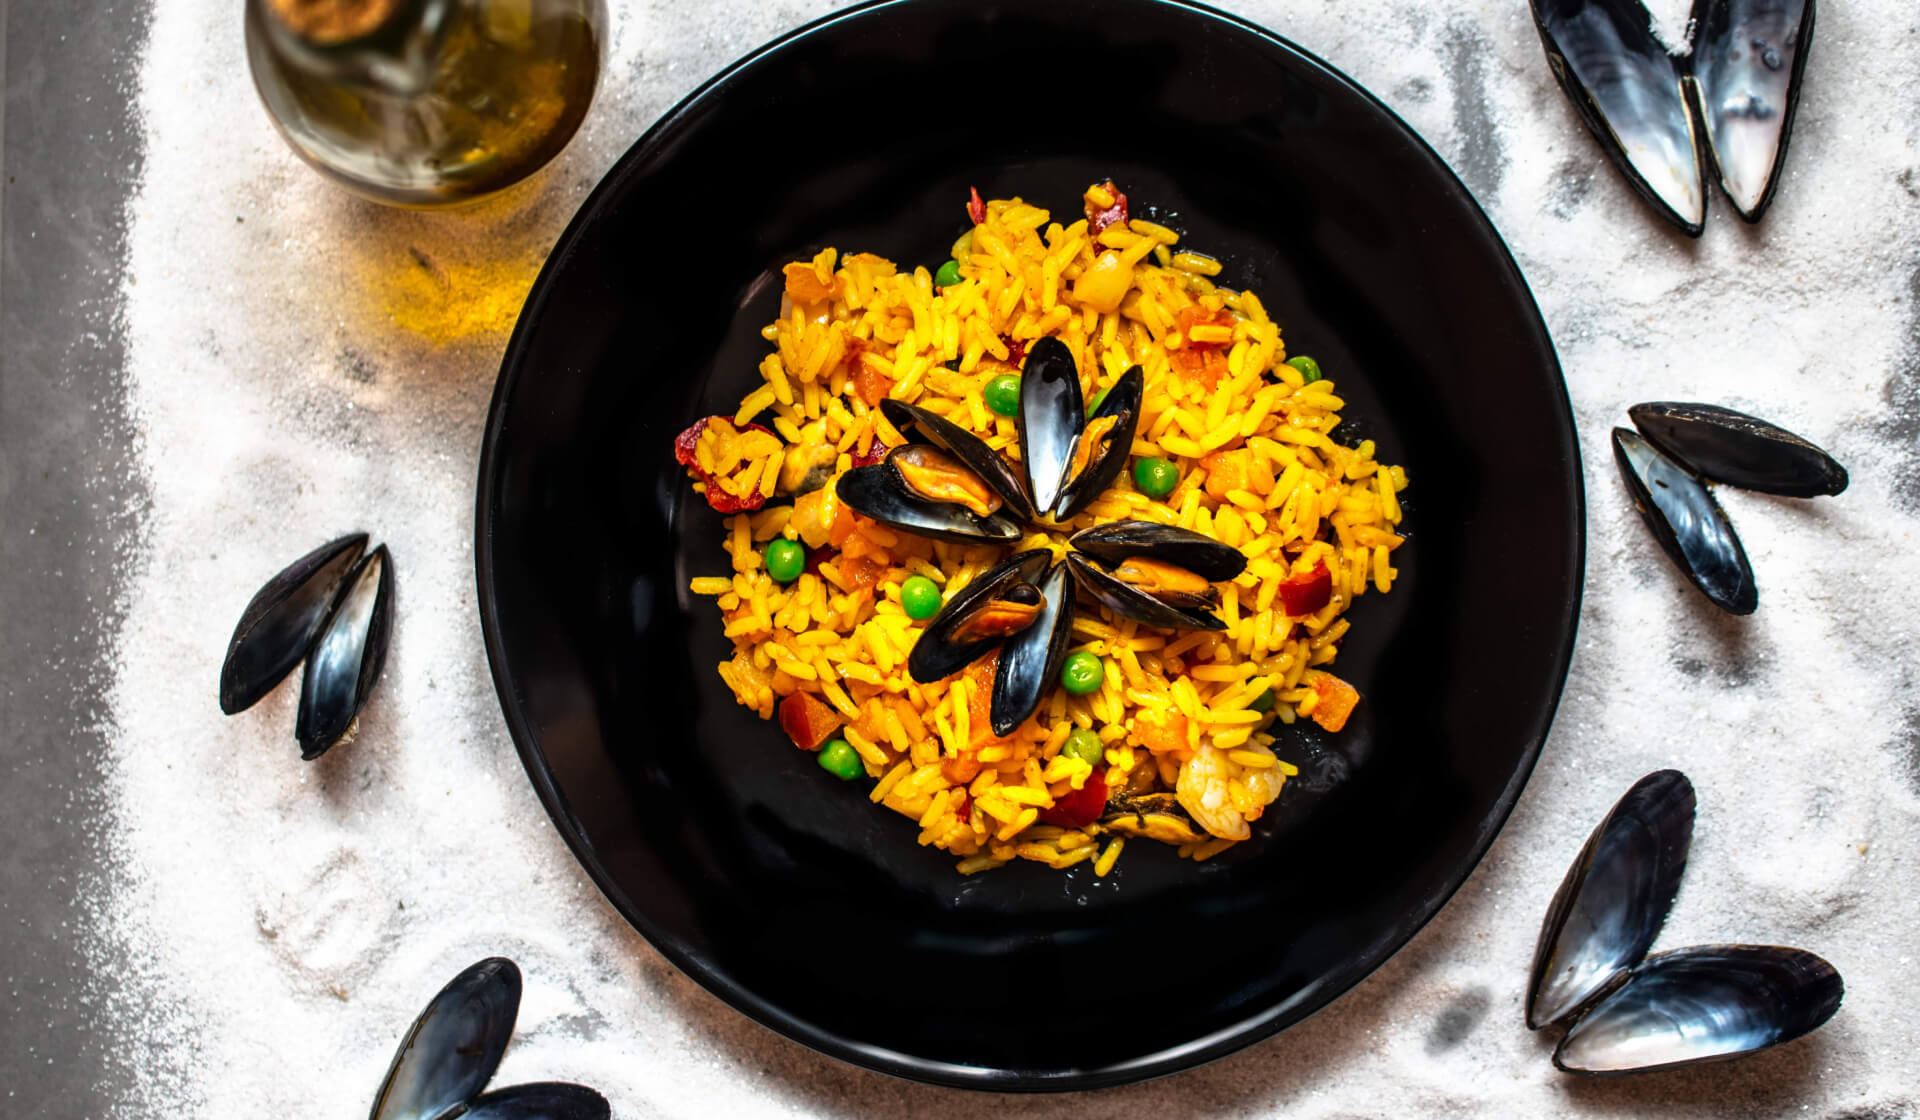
{"x":1307,"y":592}
{"x":1168,"y":736}
{"x":861,"y":572}
{"x":961,"y":769}
{"x":1336,"y":702}
{"x":1191,"y":317}
{"x":871,"y":385}
{"x":804,"y":286}
{"x":979,"y":678}
{"x":808,"y":720}
{"x":1227,"y":470}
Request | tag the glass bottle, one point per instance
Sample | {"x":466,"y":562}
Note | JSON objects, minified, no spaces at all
{"x":426,"y":102}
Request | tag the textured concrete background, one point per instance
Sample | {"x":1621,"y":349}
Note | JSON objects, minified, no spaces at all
{"x":153,"y":237}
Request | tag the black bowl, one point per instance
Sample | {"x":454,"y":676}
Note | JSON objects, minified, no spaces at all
{"x":784,"y":891}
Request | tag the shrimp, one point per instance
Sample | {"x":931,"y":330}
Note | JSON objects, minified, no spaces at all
{"x":1206,"y":790}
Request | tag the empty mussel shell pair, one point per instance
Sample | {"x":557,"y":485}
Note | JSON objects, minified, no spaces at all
{"x":1681,"y":447}
{"x":453,"y":1049}
{"x":1650,"y":110}
{"x":1628,"y":1011}
{"x":333,"y":608}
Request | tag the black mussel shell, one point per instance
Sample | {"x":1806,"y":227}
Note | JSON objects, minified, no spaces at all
{"x":345,"y":662}
{"x":1128,"y":601}
{"x":990,"y":465}
{"x":539,"y":1100}
{"x":877,"y":492}
{"x":452,"y":1049}
{"x":1030,"y":660}
{"x":1703,"y":1004}
{"x":1051,"y":416}
{"x":1628,"y":91}
{"x":1740,"y":450}
{"x":279,"y":624}
{"x":1748,"y":59}
{"x":1687,"y":522}
{"x":1613,"y":900}
{"x":1155,"y":816}
{"x":1122,"y":402}
{"x":936,"y":656}
{"x":1114,"y":542}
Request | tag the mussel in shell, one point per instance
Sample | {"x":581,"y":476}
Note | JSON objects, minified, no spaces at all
{"x":1627,"y":89}
{"x":1153,"y":816}
{"x":1613,"y":900}
{"x":1702,"y":1004}
{"x":1030,"y":659}
{"x":1069,"y":456}
{"x":878,"y":492}
{"x":453,"y":1048}
{"x":1722,"y":445}
{"x":345,"y":662}
{"x":1687,"y":522}
{"x":926,"y":427}
{"x":945,"y":647}
{"x":1155,"y":574}
{"x":282,"y":620}
{"x":936,"y":476}
{"x":1006,"y":613}
{"x":1748,"y":59}
{"x":1023,"y":608}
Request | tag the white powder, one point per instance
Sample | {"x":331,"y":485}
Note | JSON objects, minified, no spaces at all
{"x":275,"y":924}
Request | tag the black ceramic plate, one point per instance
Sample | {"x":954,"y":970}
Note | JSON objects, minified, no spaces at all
{"x":781,"y":889}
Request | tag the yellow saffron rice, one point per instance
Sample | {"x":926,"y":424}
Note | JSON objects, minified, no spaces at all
{"x":1259,"y":470}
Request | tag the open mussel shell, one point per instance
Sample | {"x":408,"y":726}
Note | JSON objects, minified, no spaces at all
{"x":1114,"y":542}
{"x":1748,"y":59}
{"x":345,"y":662}
{"x":877,"y":492}
{"x":937,"y":656}
{"x":1740,"y":450}
{"x":1105,"y":462}
{"x":452,"y":1049}
{"x":1128,"y":601}
{"x":971,"y":450}
{"x":1052,"y":413}
{"x":1687,"y":522}
{"x":1627,"y":90}
{"x":281,"y":621}
{"x":1703,"y":1004}
{"x":539,"y":1100}
{"x":1613,"y":900}
{"x":1030,"y":660}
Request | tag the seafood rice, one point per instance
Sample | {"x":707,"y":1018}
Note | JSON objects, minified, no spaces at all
{"x":1215,"y":531}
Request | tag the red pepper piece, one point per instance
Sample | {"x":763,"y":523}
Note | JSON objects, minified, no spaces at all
{"x":1116,"y":214}
{"x":1304,"y":594}
{"x":808,"y":720}
{"x":976,"y":207}
{"x":717,"y":497}
{"x":1016,"y":349}
{"x":876,"y":450}
{"x":1081,"y":807}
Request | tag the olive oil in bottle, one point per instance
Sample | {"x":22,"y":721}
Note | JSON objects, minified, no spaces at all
{"x":426,"y":102}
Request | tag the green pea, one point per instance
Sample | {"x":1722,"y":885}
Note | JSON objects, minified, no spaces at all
{"x":920,"y":597}
{"x":1263,"y":702}
{"x":1156,"y":478}
{"x":1085,"y":746}
{"x":839,"y":758}
{"x":1084,"y":672}
{"x":948,"y":275}
{"x":1003,"y":394}
{"x":1308,"y":368}
{"x":1093,"y":405}
{"x":786,"y":559}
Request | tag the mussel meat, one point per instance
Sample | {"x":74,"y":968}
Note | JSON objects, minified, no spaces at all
{"x":1613,"y":900}
{"x":1153,"y":816}
{"x":282,"y":620}
{"x":1627,"y":90}
{"x":1748,"y":58}
{"x":930,"y":473}
{"x":454,"y":1047}
{"x":877,"y":492}
{"x":1159,"y":575}
{"x":345,"y":662}
{"x":1740,"y":450}
{"x":1703,"y":1004}
{"x":1687,"y":522}
{"x":972,"y":451}
{"x":1100,"y":450}
{"x":1030,"y":660}
{"x":1007,"y":612}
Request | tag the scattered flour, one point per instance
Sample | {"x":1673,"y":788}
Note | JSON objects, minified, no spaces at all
{"x":302,"y":364}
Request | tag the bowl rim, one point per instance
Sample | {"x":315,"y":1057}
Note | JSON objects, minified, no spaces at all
{"x":767,"y":1013}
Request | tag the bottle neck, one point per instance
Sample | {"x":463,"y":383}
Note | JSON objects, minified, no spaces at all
{"x":392,"y":46}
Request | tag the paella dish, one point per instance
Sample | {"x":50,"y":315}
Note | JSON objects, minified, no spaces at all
{"x":1047,"y":543}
